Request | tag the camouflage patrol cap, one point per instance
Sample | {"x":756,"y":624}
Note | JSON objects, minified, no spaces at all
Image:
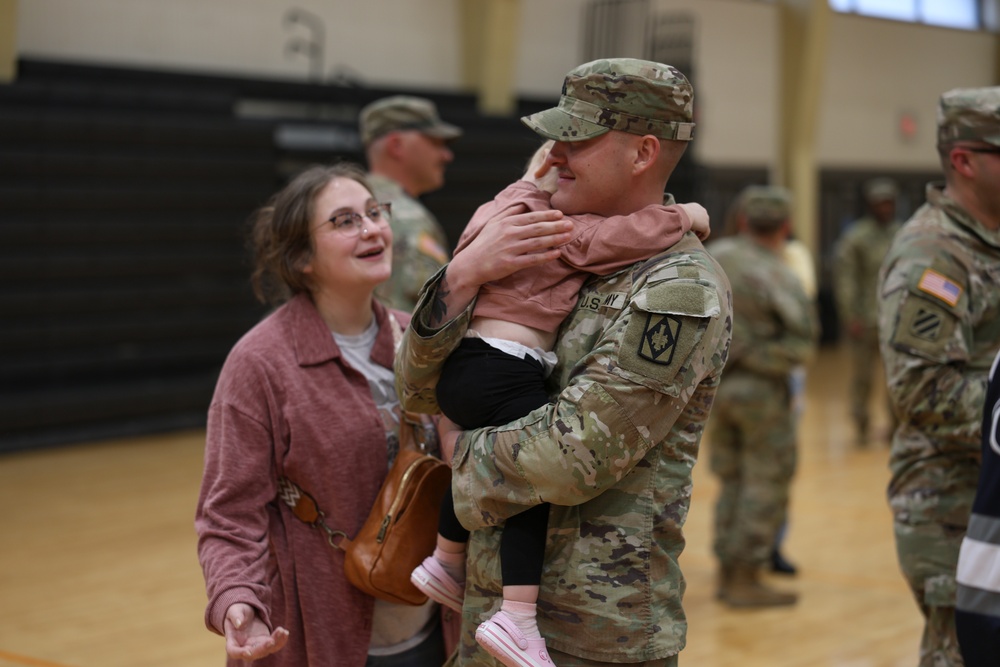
{"x":969,"y":114}
{"x":634,"y":96}
{"x":765,"y":206}
{"x":403,"y":112}
{"x":880,"y":189}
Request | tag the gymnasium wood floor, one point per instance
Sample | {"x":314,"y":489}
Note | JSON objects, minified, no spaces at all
{"x":98,"y":565}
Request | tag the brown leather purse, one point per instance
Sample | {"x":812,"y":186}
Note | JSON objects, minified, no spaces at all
{"x":401,"y":529}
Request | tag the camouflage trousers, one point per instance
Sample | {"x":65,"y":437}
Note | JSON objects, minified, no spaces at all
{"x":865,"y":359}
{"x":928,"y":556}
{"x":470,"y":654}
{"x":481,"y":658}
{"x":566,"y":660}
{"x":753,"y":452}
{"x":929,"y":531}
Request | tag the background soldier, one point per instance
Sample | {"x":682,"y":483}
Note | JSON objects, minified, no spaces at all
{"x":753,"y":432}
{"x":859,"y":256}
{"x":406,"y":145}
{"x":939,"y":327}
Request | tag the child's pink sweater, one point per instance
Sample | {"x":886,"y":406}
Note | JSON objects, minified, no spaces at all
{"x":542,"y":296}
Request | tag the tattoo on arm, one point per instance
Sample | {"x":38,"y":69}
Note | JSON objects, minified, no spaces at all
{"x":438,"y":307}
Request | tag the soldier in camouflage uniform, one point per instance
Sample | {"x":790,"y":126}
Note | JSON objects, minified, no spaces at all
{"x":406,"y":145}
{"x":939,"y":327}
{"x":859,"y":256}
{"x":640,"y":359}
{"x":753,"y":432}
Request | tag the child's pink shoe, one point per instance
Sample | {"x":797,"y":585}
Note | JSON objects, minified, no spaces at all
{"x":435,"y":582}
{"x":501,"y":637}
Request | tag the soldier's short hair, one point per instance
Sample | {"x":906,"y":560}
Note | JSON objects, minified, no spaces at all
{"x":635,"y":96}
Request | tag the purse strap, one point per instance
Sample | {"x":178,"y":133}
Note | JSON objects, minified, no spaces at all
{"x":306,"y":510}
{"x":305,"y":507}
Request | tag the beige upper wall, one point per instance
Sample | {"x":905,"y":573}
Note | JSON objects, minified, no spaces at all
{"x":878,"y":70}
{"x":875,"y":70}
{"x":737,"y":77}
{"x":374,"y":39}
{"x":413,"y":43}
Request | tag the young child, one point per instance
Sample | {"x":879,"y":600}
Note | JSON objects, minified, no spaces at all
{"x":497,"y":375}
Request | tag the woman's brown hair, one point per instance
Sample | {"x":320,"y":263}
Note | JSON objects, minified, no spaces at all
{"x":281,"y":237}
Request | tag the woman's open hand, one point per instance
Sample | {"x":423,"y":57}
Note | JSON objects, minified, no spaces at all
{"x":247,"y":637}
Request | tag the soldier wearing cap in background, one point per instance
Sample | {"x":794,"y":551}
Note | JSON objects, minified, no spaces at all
{"x":939,"y":329}
{"x":753,"y":448}
{"x":406,"y":145}
{"x":639,"y":360}
{"x":859,"y":256}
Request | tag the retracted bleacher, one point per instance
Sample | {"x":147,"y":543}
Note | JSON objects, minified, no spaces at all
{"x":124,"y":196}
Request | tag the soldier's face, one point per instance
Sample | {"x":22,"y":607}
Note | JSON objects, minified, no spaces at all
{"x":592,"y":174}
{"x":425,"y":159}
{"x":884,"y":210}
{"x":981,"y":166}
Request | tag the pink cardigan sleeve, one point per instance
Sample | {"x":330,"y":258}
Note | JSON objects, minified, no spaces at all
{"x":518,"y":193}
{"x":599,"y":245}
{"x":605,"y":245}
{"x":232,"y":521}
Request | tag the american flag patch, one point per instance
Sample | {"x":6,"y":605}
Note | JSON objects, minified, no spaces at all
{"x":935,"y":284}
{"x":428,"y":246}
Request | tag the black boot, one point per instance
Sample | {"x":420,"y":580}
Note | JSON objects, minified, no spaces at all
{"x":781,"y":566}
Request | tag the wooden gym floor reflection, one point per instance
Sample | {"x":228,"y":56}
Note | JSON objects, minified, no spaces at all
{"x":98,"y":564}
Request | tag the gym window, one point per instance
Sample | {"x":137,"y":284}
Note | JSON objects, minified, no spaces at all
{"x":963,"y":14}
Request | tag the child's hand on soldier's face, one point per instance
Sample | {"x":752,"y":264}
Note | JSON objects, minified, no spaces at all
{"x":539,"y":171}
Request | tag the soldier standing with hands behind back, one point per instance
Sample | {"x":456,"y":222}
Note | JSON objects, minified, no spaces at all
{"x":753,"y":447}
{"x":939,"y":327}
{"x":859,"y":257}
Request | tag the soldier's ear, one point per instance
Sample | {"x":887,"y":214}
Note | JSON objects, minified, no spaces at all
{"x":394,"y":144}
{"x":960,"y":162}
{"x":647,"y":152}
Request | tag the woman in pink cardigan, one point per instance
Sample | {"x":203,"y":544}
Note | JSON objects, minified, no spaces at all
{"x":308,"y":395}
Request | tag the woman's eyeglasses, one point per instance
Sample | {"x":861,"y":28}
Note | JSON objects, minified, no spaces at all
{"x":351,"y":223}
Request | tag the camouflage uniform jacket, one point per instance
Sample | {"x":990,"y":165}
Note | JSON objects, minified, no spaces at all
{"x":774,"y":323}
{"x":640,"y":359}
{"x":939,"y":327}
{"x":860,"y":252}
{"x":419,"y":245}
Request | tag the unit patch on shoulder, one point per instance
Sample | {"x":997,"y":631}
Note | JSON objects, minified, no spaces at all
{"x":926,"y":325}
{"x":940,"y":286}
{"x":656,"y":345}
{"x":659,"y":338}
